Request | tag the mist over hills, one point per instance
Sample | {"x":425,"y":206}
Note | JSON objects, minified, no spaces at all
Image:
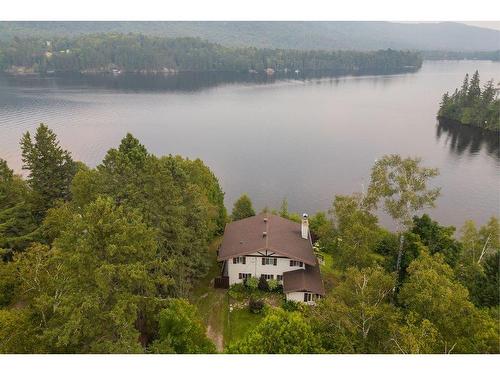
{"x":329,"y":35}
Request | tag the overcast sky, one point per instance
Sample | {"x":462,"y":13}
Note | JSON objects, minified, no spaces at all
{"x":489,"y":24}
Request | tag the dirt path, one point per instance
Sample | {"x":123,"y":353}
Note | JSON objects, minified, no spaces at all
{"x":215,"y":323}
{"x":216,"y":338}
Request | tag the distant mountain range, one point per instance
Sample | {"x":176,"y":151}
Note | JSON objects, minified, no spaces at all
{"x":352,"y":35}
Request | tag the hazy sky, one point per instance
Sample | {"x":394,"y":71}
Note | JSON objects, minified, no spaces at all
{"x":489,"y":24}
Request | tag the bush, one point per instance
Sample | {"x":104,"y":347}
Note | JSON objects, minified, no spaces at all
{"x":273,"y":285}
{"x":263,"y":284}
{"x":255,"y":306}
{"x":290,"y":305}
{"x":237,"y":291}
{"x":252,"y":283}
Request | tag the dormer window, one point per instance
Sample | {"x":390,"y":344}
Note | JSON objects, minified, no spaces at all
{"x":239,"y":260}
{"x":269,"y":261}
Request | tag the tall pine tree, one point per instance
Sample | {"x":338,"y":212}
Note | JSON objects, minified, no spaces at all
{"x":50,"y":167}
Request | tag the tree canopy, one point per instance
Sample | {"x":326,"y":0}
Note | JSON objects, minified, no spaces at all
{"x":242,"y":208}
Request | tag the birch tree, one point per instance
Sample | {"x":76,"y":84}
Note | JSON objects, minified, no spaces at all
{"x":401,"y":187}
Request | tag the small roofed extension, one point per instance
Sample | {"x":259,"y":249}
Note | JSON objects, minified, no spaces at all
{"x":277,"y":248}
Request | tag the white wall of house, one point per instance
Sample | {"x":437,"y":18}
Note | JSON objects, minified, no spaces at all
{"x":298,"y":297}
{"x":253,"y":265}
{"x":295,"y":296}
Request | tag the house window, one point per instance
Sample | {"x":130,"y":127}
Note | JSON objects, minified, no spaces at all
{"x":239,"y":260}
{"x":279,"y":277}
{"x":244,"y":276}
{"x":270,"y":261}
{"x":267,"y":277}
{"x":296,"y":263}
{"x":307,"y":297}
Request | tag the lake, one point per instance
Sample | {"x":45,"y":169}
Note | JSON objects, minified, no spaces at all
{"x":305,"y":140}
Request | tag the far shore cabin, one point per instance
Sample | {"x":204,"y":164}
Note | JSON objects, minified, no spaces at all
{"x":276,"y":248}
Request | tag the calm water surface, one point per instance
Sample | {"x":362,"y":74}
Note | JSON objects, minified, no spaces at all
{"x":304,"y":140}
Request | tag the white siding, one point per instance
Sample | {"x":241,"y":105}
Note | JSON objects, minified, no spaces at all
{"x":254,"y":266}
{"x":298,"y":297}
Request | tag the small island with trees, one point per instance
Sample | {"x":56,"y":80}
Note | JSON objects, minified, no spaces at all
{"x":470,"y":105}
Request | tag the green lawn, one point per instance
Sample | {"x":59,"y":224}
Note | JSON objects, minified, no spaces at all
{"x":240,"y":321}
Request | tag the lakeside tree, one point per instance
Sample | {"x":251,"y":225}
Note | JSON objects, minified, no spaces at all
{"x":472,"y":106}
{"x":242,"y":208}
{"x":401,"y":185}
{"x":172,"y":201}
{"x":50,"y":169}
{"x":355,"y":233}
{"x":283,"y":211}
{"x":478,"y":266}
{"x":17,"y":219}
{"x":432,"y":292}
{"x":355,"y":317}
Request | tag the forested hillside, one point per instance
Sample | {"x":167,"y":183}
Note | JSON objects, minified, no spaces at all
{"x":332,"y":35}
{"x":102,"y":260}
{"x":139,"y":53}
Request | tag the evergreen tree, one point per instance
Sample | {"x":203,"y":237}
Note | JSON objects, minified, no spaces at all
{"x":242,"y":208}
{"x":471,"y":106}
{"x":283,"y":212}
{"x":50,"y":169}
{"x":17,"y":220}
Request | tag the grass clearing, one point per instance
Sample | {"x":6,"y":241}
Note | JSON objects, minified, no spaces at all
{"x":239,"y":323}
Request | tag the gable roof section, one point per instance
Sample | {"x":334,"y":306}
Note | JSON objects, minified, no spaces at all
{"x":303,"y":280}
{"x":283,"y":237}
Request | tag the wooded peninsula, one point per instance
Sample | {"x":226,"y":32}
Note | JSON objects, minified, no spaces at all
{"x":121,"y":258}
{"x":114,"y":52}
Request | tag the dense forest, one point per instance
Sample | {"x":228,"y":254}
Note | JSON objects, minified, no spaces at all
{"x":470,"y":105}
{"x":104,"y":260}
{"x":139,"y":53}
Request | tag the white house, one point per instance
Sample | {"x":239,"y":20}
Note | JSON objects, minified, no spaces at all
{"x":276,"y":248}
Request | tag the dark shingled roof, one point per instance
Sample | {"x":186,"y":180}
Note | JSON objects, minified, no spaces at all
{"x":303,"y":280}
{"x":283,"y":237}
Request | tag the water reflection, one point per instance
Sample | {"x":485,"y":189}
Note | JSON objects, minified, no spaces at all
{"x":184,"y":81}
{"x":463,"y":139}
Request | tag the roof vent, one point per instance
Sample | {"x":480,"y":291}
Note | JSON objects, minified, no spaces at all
{"x":265,"y":220}
{"x":241,"y":242}
{"x":264,"y":234}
